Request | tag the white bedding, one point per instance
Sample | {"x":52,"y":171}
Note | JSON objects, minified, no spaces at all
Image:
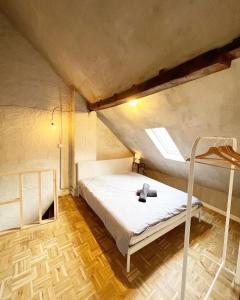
{"x":114,"y":200}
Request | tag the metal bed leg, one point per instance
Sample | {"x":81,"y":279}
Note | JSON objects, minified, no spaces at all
{"x":128,"y":263}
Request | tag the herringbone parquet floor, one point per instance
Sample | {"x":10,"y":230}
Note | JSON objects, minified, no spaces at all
{"x":75,"y":258}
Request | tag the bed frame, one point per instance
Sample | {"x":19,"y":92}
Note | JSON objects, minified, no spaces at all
{"x":86,"y":169}
{"x":181,"y":219}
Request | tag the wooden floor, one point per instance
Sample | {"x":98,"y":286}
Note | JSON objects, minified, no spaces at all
{"x":75,"y":258}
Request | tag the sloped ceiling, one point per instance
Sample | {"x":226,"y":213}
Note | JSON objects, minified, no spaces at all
{"x":104,"y":47}
{"x":205,"y":107}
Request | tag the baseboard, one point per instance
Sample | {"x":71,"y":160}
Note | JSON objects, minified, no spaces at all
{"x":220,"y":211}
{"x":73,"y":191}
{"x":64,"y":192}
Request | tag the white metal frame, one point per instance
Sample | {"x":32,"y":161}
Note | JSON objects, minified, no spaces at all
{"x":139,"y":245}
{"x":86,"y":169}
{"x":221,"y":263}
{"x":20,"y":199}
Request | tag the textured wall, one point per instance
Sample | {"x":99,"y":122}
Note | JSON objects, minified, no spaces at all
{"x":26,"y":77}
{"x":108,"y":145}
{"x":27,"y":80}
{"x":208,"y":106}
{"x":85,"y":136}
{"x":93,"y":140}
{"x":205,"y":107}
{"x":103,"y":47}
{"x":27,"y":140}
{"x":30,"y":89}
{"x":208,"y":195}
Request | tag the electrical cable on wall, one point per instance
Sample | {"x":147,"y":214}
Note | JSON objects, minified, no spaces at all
{"x":53,"y":124}
{"x":60,"y":145}
{"x":35,"y":108}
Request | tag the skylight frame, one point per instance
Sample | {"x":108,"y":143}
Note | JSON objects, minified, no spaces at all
{"x":164,"y":143}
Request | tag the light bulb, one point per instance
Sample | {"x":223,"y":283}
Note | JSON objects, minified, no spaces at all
{"x":53,"y":125}
{"x":133,"y":102}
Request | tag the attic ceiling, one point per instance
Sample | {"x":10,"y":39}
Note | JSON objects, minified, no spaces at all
{"x":208,"y":106}
{"x":104,"y":47}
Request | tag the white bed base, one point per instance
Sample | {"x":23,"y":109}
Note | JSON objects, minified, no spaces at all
{"x":139,"y":245}
{"x":86,"y":169}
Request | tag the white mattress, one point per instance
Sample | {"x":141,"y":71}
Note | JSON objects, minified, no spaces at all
{"x":160,"y":226}
{"x":114,"y":200}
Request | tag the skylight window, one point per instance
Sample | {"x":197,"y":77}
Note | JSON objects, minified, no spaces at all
{"x":164,"y":143}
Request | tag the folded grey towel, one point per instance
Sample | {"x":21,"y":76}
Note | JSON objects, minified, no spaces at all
{"x":151,"y":193}
{"x":144,"y":192}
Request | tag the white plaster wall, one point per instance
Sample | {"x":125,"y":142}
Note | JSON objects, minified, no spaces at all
{"x":208,"y":106}
{"x":94,"y":141}
{"x":211,"y":196}
{"x":85,"y":136}
{"x":108,"y":145}
{"x":27,"y":141}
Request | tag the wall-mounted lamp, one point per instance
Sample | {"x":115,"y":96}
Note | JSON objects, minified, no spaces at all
{"x":137,"y":157}
{"x":53,"y":125}
{"x":133,"y":102}
{"x":52,"y":121}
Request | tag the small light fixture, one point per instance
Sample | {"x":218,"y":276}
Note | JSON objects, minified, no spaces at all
{"x":137,"y":157}
{"x":53,"y":125}
{"x":52,"y":121}
{"x":133,"y":102}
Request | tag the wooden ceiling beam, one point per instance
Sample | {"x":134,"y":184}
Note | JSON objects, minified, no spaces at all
{"x":200,"y":66}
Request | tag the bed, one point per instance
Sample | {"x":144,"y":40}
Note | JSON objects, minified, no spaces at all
{"x":109,"y":188}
